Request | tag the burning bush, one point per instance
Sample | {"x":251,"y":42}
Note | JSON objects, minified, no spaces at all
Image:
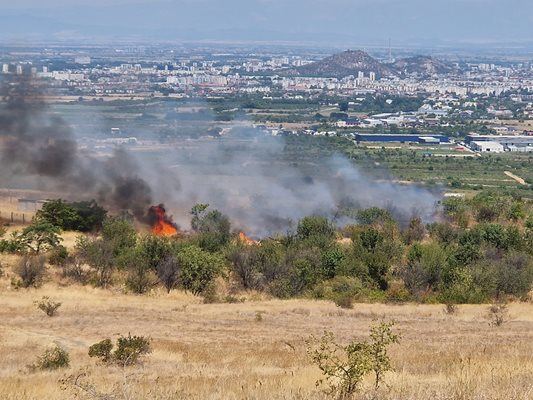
{"x":161,"y":223}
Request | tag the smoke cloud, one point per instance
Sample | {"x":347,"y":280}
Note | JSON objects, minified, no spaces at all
{"x":248,"y":176}
{"x":36,"y":143}
{"x":262,"y":192}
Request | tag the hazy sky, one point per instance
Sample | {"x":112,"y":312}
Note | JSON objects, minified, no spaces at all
{"x":326,"y":21}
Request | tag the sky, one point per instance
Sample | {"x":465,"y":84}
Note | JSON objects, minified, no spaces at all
{"x":344,"y":22}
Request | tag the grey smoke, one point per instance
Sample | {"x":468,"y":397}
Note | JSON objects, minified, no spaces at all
{"x":246,"y":176}
{"x":263,"y":194}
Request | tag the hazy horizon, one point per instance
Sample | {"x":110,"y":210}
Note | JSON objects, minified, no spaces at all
{"x":333,"y":22}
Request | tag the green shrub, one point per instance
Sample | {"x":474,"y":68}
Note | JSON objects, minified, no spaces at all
{"x":53,"y":358}
{"x":345,"y":367}
{"x":102,"y":350}
{"x":198,"y":268}
{"x":342,"y":290}
{"x":129,"y":350}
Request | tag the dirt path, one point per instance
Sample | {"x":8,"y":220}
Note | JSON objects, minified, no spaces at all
{"x":516,"y":178}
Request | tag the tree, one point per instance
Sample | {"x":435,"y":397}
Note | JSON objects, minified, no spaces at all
{"x":99,"y":255}
{"x":425,"y":264}
{"x":198,"y":268}
{"x":119,"y":234}
{"x":246,"y":264}
{"x":58,"y":213}
{"x":343,"y":106}
{"x":213,"y":227}
{"x":315,"y":227}
{"x":40,"y":236}
{"x":82,"y":216}
{"x":416,"y":231}
{"x":140,"y":276}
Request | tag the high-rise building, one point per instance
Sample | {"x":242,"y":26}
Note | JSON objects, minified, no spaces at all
{"x":372,"y":76}
{"x":5,"y":69}
{"x":360,"y":75}
{"x":19,"y":69}
{"x":45,"y":70}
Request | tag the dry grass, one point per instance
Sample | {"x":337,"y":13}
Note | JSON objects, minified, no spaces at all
{"x":223,"y":351}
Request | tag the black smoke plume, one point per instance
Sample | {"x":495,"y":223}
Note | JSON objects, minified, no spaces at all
{"x":35,"y":143}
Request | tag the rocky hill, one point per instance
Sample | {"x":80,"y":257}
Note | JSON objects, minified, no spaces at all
{"x":421,"y":65}
{"x":342,"y":65}
{"x":351,"y":62}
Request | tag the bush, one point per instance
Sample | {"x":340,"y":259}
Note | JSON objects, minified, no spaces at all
{"x":48,"y":306}
{"x":102,"y":350}
{"x":342,"y":290}
{"x":31,"y":270}
{"x":129,"y":350}
{"x":498,"y":314}
{"x":53,"y":358}
{"x":345,"y":367}
{"x":198,"y":268}
{"x":58,"y":256}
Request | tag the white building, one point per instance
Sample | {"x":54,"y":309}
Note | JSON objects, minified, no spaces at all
{"x":487,"y":147}
{"x":5,"y":68}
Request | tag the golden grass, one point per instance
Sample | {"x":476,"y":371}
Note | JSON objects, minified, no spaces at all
{"x":221,"y":351}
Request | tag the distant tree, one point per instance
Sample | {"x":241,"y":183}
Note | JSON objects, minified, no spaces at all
{"x":343,"y":106}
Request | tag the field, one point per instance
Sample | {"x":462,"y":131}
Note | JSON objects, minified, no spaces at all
{"x":255,"y":349}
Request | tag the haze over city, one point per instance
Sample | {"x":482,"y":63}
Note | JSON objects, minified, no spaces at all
{"x":333,"y":22}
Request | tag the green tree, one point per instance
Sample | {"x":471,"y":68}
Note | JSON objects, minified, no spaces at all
{"x":213,"y":227}
{"x":198,"y":268}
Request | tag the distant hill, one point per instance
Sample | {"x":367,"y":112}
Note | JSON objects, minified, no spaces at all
{"x":341,"y":65}
{"x":421,"y":65}
{"x":351,"y":62}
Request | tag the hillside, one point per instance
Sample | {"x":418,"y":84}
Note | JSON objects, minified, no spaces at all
{"x":351,"y":62}
{"x":421,"y":65}
{"x":341,"y":65}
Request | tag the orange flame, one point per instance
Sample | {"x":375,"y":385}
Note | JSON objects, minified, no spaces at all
{"x":246,"y":240}
{"x":162,"y":225}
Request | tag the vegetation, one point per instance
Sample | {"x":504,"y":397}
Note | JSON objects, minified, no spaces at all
{"x":48,"y":306}
{"x":129,"y":350}
{"x":53,"y":358}
{"x":345,"y":366}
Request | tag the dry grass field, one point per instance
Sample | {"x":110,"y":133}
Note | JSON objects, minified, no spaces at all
{"x":225,"y":351}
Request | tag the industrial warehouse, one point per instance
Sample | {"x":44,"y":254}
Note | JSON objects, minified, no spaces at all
{"x":500,"y":143}
{"x":422,"y":139}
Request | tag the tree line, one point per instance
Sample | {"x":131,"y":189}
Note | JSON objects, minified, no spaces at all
{"x":480,"y":250}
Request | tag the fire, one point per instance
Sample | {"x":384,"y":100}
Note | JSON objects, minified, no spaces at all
{"x":245,"y":239}
{"x":162,"y":224}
